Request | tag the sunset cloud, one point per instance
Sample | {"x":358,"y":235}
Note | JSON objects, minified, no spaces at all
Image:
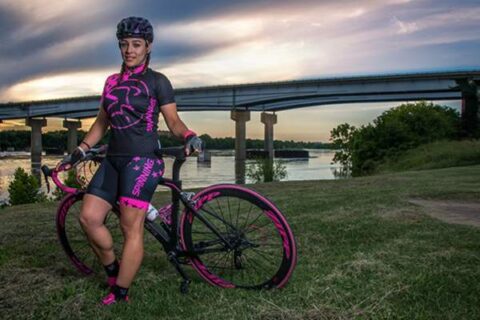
{"x":53,"y":49}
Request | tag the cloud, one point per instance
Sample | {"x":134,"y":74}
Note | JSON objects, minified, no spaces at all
{"x":216,"y":42}
{"x":405,"y":27}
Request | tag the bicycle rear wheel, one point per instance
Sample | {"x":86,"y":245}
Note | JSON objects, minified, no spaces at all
{"x":73,"y":239}
{"x":259,"y":250}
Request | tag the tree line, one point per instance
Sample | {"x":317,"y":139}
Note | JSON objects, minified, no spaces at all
{"x":20,"y":140}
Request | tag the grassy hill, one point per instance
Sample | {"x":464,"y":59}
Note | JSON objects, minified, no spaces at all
{"x":364,"y":252}
{"x":440,"y":154}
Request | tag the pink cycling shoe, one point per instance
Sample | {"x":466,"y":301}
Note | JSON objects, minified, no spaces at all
{"x":111,"y":299}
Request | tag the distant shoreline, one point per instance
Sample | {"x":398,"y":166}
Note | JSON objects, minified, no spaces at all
{"x":215,"y":152}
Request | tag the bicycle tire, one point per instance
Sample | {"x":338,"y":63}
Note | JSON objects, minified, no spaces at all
{"x":72,"y":238}
{"x":260,"y":227}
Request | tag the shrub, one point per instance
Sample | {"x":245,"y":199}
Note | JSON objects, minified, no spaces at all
{"x":70,"y":181}
{"x":266,"y":170}
{"x":24,"y":189}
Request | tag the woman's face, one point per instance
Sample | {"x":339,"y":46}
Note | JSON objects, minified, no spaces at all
{"x":134,"y":51}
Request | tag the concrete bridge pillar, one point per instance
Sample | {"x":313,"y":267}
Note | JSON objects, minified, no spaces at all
{"x":240,"y":118}
{"x":36,"y":144}
{"x":72,"y":127}
{"x":470,"y":113}
{"x":269,"y":120}
{"x":477,"y":83}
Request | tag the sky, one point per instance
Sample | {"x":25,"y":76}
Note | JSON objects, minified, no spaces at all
{"x":53,"y":49}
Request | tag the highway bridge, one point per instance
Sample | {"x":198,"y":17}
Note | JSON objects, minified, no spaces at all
{"x":266,"y":97}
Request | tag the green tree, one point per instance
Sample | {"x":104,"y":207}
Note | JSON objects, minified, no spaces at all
{"x":341,"y":137}
{"x":24,"y":188}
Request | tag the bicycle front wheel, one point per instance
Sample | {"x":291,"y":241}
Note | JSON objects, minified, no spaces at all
{"x":74,"y":240}
{"x":238,"y":239}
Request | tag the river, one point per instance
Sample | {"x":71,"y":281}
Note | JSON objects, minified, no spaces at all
{"x":221,"y":169}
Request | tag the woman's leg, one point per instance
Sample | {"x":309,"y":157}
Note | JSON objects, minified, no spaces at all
{"x":138,"y":179}
{"x":92,"y":217}
{"x":131,"y":221}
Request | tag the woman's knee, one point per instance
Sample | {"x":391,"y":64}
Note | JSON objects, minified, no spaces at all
{"x":93,"y":212}
{"x":131,"y":222}
{"x":132,"y":230}
{"x":90,"y":219}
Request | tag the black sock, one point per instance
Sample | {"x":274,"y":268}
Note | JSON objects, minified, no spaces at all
{"x":119,"y":292}
{"x":112,"y":269}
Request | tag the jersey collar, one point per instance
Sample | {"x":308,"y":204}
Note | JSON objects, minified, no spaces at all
{"x":136,"y":70}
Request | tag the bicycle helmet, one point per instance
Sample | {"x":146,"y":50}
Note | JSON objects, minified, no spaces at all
{"x":135,"y":27}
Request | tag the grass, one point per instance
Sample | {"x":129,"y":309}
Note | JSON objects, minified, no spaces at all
{"x":364,"y":252}
{"x":440,"y":154}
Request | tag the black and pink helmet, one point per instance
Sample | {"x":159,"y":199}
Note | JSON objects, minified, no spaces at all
{"x":135,"y":27}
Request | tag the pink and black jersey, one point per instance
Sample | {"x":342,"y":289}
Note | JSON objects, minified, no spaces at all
{"x":133,"y":106}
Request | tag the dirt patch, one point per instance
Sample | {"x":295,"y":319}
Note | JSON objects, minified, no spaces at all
{"x":459,"y":212}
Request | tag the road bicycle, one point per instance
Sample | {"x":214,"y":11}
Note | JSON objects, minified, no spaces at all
{"x":232,"y":236}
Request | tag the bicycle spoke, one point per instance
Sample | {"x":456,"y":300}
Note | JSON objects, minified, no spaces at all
{"x":257,"y":268}
{"x":229,"y":211}
{"x":248,"y":216}
{"x":218,"y":261}
{"x":213,"y":215}
{"x":238,"y":214}
{"x":221,"y":212}
{"x":261,"y":255}
{"x":255,"y":220}
{"x":226,"y":260}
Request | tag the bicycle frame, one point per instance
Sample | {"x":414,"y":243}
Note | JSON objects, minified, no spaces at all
{"x":169,"y":237}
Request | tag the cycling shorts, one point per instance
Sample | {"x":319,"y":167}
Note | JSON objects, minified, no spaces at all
{"x":129,"y":180}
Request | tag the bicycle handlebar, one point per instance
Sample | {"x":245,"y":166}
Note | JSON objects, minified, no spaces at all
{"x":53,"y":173}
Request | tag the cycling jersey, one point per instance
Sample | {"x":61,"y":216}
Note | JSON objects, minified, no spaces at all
{"x":133,"y":105}
{"x":131,"y":171}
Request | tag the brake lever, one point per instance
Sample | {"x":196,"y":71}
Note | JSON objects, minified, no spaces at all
{"x":46,"y":172}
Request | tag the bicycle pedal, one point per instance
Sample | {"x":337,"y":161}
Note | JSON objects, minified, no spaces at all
{"x":184,"y":286}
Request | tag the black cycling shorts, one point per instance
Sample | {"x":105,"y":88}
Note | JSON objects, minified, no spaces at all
{"x":129,"y":180}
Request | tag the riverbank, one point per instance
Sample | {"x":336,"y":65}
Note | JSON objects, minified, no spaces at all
{"x":221,"y":169}
{"x":365,"y":251}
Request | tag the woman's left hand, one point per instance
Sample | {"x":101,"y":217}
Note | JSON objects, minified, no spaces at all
{"x":193,"y":144}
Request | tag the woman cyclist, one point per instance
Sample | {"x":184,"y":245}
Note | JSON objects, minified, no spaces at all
{"x":130,"y":106}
